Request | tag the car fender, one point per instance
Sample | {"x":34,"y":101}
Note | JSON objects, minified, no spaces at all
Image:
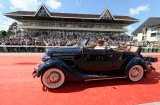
{"x":69,"y":73}
{"x":135,"y":61}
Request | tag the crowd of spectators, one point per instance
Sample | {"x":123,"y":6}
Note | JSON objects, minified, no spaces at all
{"x":148,"y":46}
{"x":36,"y":42}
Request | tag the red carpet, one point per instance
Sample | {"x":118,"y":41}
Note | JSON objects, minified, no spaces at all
{"x":17,"y":87}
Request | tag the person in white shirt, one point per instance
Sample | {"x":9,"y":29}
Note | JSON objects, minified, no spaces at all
{"x":100,"y":44}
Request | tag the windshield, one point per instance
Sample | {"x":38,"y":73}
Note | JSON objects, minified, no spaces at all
{"x":107,"y":42}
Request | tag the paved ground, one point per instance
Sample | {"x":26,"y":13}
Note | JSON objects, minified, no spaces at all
{"x":17,"y":87}
{"x":21,"y":54}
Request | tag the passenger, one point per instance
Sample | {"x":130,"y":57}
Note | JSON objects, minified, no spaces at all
{"x":125,"y":47}
{"x":100,"y":44}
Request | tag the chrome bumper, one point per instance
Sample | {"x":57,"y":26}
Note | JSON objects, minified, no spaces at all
{"x":35,"y":73}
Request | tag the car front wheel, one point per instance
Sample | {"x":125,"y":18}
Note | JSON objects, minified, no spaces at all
{"x":135,"y":73}
{"x":53,"y":78}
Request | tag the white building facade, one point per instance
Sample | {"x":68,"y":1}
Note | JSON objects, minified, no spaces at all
{"x":148,"y":31}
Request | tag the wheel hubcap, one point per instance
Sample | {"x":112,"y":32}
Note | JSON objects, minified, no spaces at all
{"x":135,"y":72}
{"x":54,"y":77}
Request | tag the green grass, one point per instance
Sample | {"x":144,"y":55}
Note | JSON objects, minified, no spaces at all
{"x":145,"y":51}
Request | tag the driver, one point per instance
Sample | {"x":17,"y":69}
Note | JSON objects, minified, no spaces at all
{"x":100,"y":44}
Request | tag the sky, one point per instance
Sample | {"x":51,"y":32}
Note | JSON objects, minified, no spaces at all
{"x":139,"y":9}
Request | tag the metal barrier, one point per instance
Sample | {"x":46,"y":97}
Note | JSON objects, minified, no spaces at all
{"x":150,"y":49}
{"x":28,"y":48}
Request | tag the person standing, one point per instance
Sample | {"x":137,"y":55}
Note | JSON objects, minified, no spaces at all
{"x":100,"y":44}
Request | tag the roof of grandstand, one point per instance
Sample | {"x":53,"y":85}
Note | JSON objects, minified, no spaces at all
{"x":152,"y":21}
{"x":34,"y":15}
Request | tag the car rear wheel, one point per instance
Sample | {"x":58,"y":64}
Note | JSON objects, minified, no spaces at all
{"x":53,"y":78}
{"x":135,"y":73}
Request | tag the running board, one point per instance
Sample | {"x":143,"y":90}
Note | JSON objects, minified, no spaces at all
{"x":101,"y":76}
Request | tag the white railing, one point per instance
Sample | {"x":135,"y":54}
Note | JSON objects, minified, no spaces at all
{"x":53,"y":46}
{"x":109,"y":26}
{"x":39,"y":46}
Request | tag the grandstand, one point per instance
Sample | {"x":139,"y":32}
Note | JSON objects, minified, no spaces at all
{"x":43,"y":25}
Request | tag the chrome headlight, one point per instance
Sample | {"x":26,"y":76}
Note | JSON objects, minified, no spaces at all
{"x":39,"y":64}
{"x":45,"y":58}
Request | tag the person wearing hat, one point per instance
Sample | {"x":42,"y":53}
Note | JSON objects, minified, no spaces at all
{"x":100,"y":44}
{"x":125,"y":47}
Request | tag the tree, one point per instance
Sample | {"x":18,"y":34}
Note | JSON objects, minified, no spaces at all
{"x":126,"y":36}
{"x":3,"y":33}
{"x":9,"y":33}
{"x":12,"y":28}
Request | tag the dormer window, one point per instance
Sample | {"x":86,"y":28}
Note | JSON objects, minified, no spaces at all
{"x":106,"y":15}
{"x":43,"y":12}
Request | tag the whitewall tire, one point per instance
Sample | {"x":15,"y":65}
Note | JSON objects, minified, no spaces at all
{"x":135,"y":73}
{"x":53,"y":78}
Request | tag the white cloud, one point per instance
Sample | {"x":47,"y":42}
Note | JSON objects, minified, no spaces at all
{"x":130,"y":28}
{"x":138,"y":10}
{"x":54,"y":4}
{"x":4,"y":22}
{"x":1,"y":17}
{"x":24,"y":4}
{"x":1,"y":6}
{"x":13,"y":9}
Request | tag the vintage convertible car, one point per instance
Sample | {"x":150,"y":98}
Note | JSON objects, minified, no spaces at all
{"x":82,"y":63}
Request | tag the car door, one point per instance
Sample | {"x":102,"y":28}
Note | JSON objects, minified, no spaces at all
{"x":97,"y":60}
{"x":118,"y":60}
